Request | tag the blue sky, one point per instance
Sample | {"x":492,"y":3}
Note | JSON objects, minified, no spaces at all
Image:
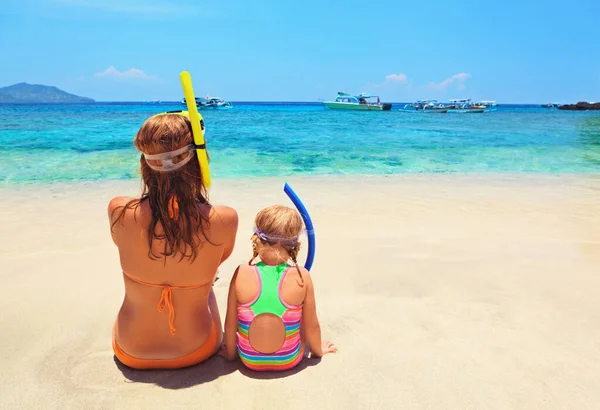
{"x":126,"y":50}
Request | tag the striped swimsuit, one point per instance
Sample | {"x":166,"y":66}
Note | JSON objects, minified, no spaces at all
{"x":268,"y":300}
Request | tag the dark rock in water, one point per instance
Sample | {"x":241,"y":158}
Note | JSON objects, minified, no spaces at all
{"x":36,"y":93}
{"x":580,"y":106}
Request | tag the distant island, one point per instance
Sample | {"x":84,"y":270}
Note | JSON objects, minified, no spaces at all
{"x":580,"y":106}
{"x":36,"y":93}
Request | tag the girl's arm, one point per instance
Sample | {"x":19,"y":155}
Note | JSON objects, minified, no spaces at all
{"x":310,"y":322}
{"x":229,"y":350}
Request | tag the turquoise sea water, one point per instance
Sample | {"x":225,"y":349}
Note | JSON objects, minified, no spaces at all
{"x":63,"y":143}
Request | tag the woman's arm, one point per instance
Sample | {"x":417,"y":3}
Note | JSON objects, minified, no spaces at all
{"x":229,"y":351}
{"x":113,"y":213}
{"x":229,"y":220}
{"x":310,"y":328}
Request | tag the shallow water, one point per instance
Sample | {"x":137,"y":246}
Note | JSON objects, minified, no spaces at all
{"x":67,"y":143}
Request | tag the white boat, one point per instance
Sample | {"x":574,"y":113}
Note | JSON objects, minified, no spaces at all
{"x":214,"y":102}
{"x":210,"y":102}
{"x":487,"y":105}
{"x":463,"y":105}
{"x":428,"y":106}
{"x":361,"y":102}
{"x":198,"y":101}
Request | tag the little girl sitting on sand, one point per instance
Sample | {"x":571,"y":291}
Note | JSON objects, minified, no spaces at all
{"x":271,"y":311}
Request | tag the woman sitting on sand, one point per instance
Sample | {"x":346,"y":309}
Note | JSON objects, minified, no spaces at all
{"x":271,"y":309}
{"x":171,"y":242}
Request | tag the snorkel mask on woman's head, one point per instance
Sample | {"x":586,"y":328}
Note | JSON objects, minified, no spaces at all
{"x":163,"y":162}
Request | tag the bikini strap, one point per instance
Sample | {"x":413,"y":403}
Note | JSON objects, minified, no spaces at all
{"x":165,"y":303}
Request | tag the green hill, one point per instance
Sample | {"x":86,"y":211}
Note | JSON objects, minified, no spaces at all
{"x":36,"y":93}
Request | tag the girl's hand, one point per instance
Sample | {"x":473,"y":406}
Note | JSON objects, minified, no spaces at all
{"x":223,"y":353}
{"x":328,"y":347}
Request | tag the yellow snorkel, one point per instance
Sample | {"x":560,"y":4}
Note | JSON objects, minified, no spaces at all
{"x":197,"y":123}
{"x":197,"y":126}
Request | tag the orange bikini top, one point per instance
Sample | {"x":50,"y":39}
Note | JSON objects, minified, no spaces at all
{"x":166,"y":298}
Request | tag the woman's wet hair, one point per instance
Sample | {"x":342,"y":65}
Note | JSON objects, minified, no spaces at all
{"x":177,"y":198}
{"x":278,"y":225}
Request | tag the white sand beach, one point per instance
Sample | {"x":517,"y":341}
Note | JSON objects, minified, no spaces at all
{"x":440,"y":291}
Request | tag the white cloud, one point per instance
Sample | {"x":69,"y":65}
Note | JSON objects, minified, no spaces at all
{"x":131,"y":73}
{"x":401,"y":78}
{"x":393,"y":79}
{"x":458,"y":79}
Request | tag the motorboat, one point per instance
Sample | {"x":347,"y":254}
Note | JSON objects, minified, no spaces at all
{"x":198,"y":101}
{"x":429,"y":106}
{"x":210,"y":102}
{"x":361,"y":102}
{"x":464,"y":105}
{"x":487,"y":105}
{"x":214,"y":102}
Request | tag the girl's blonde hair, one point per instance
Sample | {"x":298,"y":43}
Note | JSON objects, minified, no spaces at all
{"x":278,"y":224}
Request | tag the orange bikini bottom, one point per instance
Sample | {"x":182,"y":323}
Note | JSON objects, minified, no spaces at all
{"x":209,"y":348}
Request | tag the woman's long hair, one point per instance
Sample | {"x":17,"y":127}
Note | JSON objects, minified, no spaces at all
{"x":176,"y":198}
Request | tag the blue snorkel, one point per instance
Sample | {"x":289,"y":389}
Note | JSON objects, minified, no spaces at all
{"x":310,"y":232}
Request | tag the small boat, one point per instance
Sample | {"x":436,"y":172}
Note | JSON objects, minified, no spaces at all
{"x":487,"y":105}
{"x":214,"y":102}
{"x":210,"y":102}
{"x":464,"y":105}
{"x":550,"y":105}
{"x":361,"y":102}
{"x":198,"y":101}
{"x":429,"y":106}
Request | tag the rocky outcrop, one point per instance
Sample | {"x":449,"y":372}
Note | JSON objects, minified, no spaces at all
{"x":580,"y":106}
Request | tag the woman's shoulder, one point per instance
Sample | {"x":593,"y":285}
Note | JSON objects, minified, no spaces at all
{"x":224,"y":211}
{"x":224,"y":215}
{"x":118,"y":202}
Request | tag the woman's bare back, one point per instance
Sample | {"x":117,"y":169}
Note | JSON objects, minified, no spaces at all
{"x":141,"y":329}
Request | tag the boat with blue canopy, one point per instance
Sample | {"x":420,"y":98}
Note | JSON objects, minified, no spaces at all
{"x":428,"y":106}
{"x":361,"y":102}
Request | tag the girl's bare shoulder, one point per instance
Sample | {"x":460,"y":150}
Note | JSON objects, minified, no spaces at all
{"x":245,"y":270}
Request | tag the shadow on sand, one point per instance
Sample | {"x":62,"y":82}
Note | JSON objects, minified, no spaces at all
{"x":201,"y":373}
{"x":276,"y":375}
{"x":176,"y":379}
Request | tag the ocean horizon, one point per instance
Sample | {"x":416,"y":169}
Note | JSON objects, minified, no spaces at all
{"x":245,"y":102}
